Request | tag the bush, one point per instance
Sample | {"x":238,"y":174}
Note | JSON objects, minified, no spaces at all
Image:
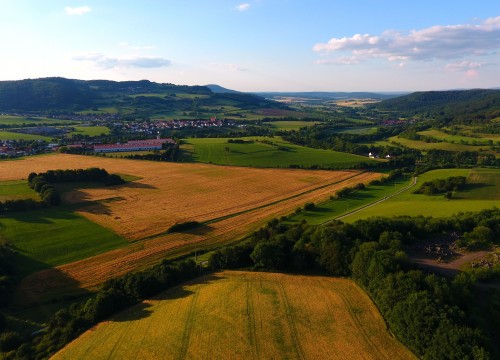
{"x":309,"y":206}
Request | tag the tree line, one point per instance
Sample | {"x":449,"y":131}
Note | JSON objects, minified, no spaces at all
{"x":441,"y":186}
{"x":435,"y":317}
{"x":49,"y":195}
{"x":114,"y":296}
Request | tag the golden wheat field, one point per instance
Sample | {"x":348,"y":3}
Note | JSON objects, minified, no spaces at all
{"x":245,"y":315}
{"x":234,"y":201}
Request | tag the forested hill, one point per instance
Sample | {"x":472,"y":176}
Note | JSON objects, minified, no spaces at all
{"x":460,"y":106}
{"x":60,"y":94}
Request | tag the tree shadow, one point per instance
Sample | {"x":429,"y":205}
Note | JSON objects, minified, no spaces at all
{"x":42,"y":215}
{"x":134,"y":185}
{"x":143,"y":310}
{"x":40,"y":284}
{"x":467,"y":191}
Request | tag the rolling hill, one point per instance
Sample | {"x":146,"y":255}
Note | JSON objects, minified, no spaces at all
{"x":136,"y":98}
{"x":480,"y":105}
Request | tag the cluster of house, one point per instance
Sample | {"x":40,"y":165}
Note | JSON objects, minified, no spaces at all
{"x":134,"y":145}
{"x":152,"y":127}
{"x":377,"y":156}
{"x":15,"y":148}
{"x":393,"y":122}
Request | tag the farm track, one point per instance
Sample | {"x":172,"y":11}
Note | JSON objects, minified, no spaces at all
{"x":414,"y":182}
{"x":291,"y":189}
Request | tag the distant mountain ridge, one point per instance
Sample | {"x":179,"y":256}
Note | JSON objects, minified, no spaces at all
{"x":143,"y":97}
{"x":326,"y":95}
{"x":461,"y":105}
{"x":221,"y":90}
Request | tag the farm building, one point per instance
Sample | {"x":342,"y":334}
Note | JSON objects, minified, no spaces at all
{"x":135,"y":145}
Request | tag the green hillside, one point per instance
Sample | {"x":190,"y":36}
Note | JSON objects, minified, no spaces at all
{"x":135,"y":98}
{"x":265,"y":152}
{"x":460,"y":106}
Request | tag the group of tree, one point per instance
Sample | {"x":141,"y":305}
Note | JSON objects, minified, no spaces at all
{"x":169,"y":154}
{"x":434,"y":316}
{"x":442,"y":186}
{"x":42,"y":183}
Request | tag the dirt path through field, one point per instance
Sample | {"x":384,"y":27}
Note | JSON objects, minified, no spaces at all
{"x":414,"y":182}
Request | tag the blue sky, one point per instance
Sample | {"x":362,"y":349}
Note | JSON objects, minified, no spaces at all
{"x":259,"y":45}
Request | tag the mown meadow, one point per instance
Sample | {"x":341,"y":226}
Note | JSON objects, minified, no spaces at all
{"x":266,"y":152}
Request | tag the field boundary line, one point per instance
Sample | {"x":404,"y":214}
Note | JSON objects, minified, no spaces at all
{"x":413,"y":183}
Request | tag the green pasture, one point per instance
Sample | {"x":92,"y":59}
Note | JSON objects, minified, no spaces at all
{"x":54,"y":236}
{"x":334,"y":208}
{"x":290,"y":125}
{"x":358,"y":130}
{"x":21,"y":120}
{"x":8,"y":135}
{"x":422,"y":145}
{"x":256,"y":153}
{"x":16,"y":189}
{"x":473,"y":198}
{"x":90,"y":130}
{"x":456,"y":138}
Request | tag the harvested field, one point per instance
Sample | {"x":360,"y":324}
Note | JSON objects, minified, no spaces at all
{"x":244,"y":315}
{"x":230,"y":201}
{"x":170,"y":193}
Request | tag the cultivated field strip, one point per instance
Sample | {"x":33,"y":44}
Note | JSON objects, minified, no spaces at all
{"x":91,"y":272}
{"x":244,"y":315}
{"x":170,"y":193}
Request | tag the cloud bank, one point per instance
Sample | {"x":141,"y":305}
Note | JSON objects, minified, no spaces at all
{"x":434,"y":43}
{"x":104,"y":62}
{"x":81,"y":10}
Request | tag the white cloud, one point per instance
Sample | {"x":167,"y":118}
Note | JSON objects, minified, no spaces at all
{"x":464,"y":65}
{"x":343,"y":60}
{"x":77,"y":10}
{"x":243,"y":7}
{"x":104,"y":62}
{"x":228,"y":67}
{"x":436,"y":42}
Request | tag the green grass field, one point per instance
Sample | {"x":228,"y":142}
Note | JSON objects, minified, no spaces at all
{"x":334,"y":208}
{"x":259,"y":154}
{"x":358,"y":130}
{"x":246,"y":315}
{"x":90,"y":130}
{"x":458,"y":138}
{"x":422,"y":145}
{"x":55,"y":236}
{"x":16,"y":189}
{"x":8,"y":135}
{"x":290,"y":125}
{"x":474,"y":198}
{"x":20,"y":120}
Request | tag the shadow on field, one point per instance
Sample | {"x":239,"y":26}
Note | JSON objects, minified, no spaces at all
{"x":95,"y":207}
{"x":143,"y":310}
{"x":135,"y":185}
{"x":137,"y":312}
{"x":467,"y":191}
{"x":199,"y":230}
{"x":42,"y":216}
{"x":45,"y":285}
{"x":360,"y":196}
